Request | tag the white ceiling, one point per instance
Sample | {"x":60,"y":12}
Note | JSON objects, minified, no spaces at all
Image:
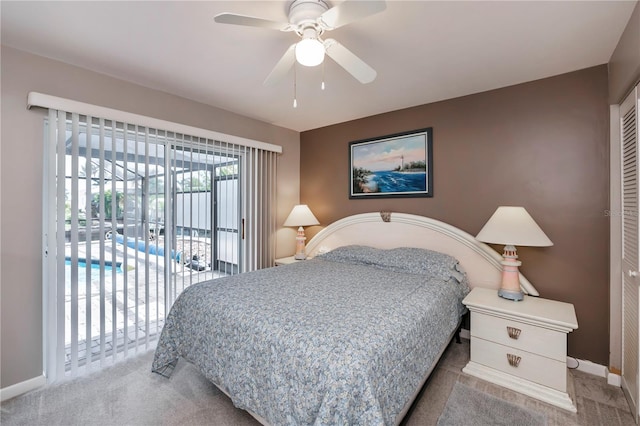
{"x":423,"y":51}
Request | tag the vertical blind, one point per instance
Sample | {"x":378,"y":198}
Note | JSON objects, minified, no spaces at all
{"x":133,"y":216}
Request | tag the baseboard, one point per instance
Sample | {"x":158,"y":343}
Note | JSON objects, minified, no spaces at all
{"x":599,"y":370}
{"x":614,"y":379}
{"x":22,"y":387}
{"x":588,"y":367}
{"x":465,"y":334}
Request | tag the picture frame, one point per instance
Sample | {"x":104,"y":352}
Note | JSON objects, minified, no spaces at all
{"x":392,"y":166}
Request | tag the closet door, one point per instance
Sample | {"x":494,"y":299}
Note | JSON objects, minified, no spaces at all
{"x":630,"y":250}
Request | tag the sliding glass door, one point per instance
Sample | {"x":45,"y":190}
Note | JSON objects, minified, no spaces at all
{"x":137,"y":216}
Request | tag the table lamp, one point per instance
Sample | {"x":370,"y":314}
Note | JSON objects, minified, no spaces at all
{"x":512,"y":226}
{"x":301,"y":216}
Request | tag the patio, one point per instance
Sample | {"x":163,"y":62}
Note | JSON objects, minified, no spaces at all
{"x":135,"y":311}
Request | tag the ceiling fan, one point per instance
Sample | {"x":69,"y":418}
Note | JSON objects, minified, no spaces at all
{"x":310,"y":19}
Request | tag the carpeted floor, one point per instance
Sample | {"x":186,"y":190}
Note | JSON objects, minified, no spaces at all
{"x":466,"y":403}
{"x":129,"y":394}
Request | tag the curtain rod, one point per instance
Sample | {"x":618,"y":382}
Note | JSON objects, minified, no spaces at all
{"x":35,"y":99}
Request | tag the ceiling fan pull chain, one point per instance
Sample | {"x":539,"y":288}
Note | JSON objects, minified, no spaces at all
{"x":295,"y":101}
{"x":322,"y":85}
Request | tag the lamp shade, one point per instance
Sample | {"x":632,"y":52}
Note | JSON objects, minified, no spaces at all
{"x":301,"y":216}
{"x":513,"y":226}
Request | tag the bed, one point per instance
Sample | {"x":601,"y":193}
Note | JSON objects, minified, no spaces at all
{"x":346,"y":337}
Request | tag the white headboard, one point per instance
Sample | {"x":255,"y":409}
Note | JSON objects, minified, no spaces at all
{"x":480,"y":261}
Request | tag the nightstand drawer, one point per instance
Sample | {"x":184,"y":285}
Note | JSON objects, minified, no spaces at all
{"x":515,"y":334}
{"x":529,"y":366}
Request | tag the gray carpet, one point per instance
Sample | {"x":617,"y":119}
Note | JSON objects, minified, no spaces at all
{"x":468,"y":406}
{"x":129,"y":394}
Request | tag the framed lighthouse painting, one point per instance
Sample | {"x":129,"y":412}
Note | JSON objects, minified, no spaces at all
{"x":398,"y":165}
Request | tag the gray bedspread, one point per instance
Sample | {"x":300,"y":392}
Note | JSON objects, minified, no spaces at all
{"x":328,"y":341}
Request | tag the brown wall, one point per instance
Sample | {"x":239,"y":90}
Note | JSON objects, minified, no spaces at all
{"x":542,"y":145}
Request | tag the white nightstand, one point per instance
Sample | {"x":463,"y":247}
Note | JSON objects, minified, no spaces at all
{"x":286,"y":261}
{"x":521,"y":345}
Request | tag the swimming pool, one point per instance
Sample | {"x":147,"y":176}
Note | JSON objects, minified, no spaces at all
{"x":95,"y":264}
{"x":94,"y":273}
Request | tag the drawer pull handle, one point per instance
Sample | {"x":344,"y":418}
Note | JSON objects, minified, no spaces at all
{"x":514,"y":360}
{"x":514,"y":333}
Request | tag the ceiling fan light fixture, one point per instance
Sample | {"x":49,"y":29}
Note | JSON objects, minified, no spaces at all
{"x":309,"y":20}
{"x":310,"y":52}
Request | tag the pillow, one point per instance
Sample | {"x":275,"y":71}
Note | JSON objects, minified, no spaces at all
{"x":410,"y":260}
{"x":351,"y":254}
{"x":423,"y":262}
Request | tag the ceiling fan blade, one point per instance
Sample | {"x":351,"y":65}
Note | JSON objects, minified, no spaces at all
{"x":250,"y":21}
{"x":350,"y":62}
{"x":282,"y":67}
{"x":350,"y":11}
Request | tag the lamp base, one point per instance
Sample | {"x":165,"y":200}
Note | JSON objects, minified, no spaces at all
{"x":511,"y":295}
{"x":300,"y":239}
{"x":510,"y":287}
